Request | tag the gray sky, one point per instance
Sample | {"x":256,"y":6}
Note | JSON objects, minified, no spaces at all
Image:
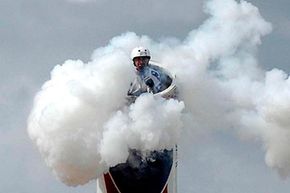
{"x":36,"y":35}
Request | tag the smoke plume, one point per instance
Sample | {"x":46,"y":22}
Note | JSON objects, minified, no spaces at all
{"x":81,"y":124}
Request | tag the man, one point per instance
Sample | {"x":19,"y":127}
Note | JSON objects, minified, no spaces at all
{"x":155,"y":172}
{"x":149,"y":77}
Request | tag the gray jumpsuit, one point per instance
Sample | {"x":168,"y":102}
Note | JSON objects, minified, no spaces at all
{"x":151,"y":79}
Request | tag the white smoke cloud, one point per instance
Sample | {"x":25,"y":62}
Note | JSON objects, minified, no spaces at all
{"x":149,"y":124}
{"x":69,"y":112}
{"x":81,"y":125}
{"x":268,"y":119}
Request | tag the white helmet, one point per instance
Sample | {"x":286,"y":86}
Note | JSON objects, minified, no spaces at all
{"x":140,"y":52}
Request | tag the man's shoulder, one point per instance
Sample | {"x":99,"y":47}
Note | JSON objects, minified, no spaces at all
{"x":155,"y":67}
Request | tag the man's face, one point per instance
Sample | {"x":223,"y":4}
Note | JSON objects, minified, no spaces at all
{"x":140,"y":62}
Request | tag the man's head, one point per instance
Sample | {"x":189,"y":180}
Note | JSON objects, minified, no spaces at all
{"x":140,"y":57}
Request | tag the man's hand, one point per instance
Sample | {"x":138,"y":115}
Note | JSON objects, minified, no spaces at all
{"x":130,"y":99}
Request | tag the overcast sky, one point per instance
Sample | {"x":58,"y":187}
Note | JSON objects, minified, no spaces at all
{"x":36,"y":35}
